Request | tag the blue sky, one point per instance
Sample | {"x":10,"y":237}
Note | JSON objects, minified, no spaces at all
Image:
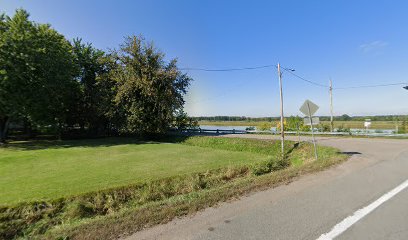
{"x":352,"y":42}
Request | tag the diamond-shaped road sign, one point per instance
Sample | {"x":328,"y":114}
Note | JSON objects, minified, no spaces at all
{"x":309,"y":106}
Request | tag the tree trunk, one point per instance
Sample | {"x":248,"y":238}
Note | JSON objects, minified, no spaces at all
{"x":28,"y":128}
{"x":59,"y":131}
{"x":4,"y":124}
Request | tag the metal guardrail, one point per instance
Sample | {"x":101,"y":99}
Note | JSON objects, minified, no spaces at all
{"x":235,"y":131}
{"x":373,"y":134}
{"x":199,"y":130}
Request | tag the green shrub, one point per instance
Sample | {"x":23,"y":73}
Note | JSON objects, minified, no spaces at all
{"x":404,"y":127}
{"x":279,"y":164}
{"x":261,"y":168}
{"x":265,"y":167}
{"x":324,"y":128}
{"x":265,"y":126}
{"x":305,"y":128}
{"x":293,"y":123}
{"x":341,"y":128}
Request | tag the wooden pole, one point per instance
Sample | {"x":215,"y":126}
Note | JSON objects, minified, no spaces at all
{"x":281,"y":112}
{"x":331,"y":107}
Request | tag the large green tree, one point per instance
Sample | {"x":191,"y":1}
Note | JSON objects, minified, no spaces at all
{"x":16,"y":66}
{"x":150,"y":92}
{"x":36,"y":73}
{"x":47,"y":81}
{"x":91,"y":65}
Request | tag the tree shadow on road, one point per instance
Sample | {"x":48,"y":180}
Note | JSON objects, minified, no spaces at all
{"x":351,"y":153}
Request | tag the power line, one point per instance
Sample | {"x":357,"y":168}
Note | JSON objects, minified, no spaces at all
{"x":304,"y":79}
{"x":227,"y":69}
{"x":294,"y":74}
{"x":372,"y":86}
{"x":350,"y":87}
{"x":252,"y":68}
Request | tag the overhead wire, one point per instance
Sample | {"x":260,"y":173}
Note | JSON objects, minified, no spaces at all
{"x":292,"y":73}
{"x":304,"y":79}
{"x":227,"y":69}
{"x":372,"y":86}
{"x":349,"y":87}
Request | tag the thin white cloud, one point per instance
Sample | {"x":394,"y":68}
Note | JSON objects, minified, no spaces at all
{"x":373,"y":47}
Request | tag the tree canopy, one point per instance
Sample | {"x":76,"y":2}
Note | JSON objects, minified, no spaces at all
{"x":36,"y":72}
{"x":149,"y":91}
{"x":50,"y":83}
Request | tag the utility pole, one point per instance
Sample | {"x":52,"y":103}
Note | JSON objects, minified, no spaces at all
{"x":281,"y":111}
{"x":331,"y":107}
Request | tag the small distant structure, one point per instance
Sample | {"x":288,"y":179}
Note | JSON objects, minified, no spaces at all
{"x":367,"y":124}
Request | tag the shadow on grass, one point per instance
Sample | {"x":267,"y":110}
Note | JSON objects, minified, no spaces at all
{"x":38,"y":144}
{"x":99,"y":142}
{"x":296,"y":145}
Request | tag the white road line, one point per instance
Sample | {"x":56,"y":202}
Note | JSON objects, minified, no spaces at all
{"x":359,"y":214}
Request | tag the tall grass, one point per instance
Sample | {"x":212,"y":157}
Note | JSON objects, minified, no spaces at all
{"x":34,"y":218}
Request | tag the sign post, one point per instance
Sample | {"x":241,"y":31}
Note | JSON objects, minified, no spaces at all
{"x":309,"y":108}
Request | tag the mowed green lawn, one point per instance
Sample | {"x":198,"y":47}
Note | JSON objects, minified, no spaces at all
{"x":48,"y":170}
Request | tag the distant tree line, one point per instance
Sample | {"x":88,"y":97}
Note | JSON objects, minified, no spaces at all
{"x":51,"y":85}
{"x":343,"y":117}
{"x":236,"y":118}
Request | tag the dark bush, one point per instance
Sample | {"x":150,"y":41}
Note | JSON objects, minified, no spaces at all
{"x":269,"y":166}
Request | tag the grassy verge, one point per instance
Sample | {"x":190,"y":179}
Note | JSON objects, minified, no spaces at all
{"x":109,"y":213}
{"x":45,"y":170}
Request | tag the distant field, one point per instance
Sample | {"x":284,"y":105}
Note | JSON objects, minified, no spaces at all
{"x":360,"y":124}
{"x":346,"y":124}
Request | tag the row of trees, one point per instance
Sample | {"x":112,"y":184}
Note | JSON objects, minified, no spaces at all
{"x":236,"y":118}
{"x":50,"y":83}
{"x":343,"y":117}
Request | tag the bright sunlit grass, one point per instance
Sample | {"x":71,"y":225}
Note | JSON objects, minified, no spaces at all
{"x":45,"y":170}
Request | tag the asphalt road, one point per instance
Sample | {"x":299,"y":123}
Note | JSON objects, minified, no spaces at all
{"x":336,"y":202}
